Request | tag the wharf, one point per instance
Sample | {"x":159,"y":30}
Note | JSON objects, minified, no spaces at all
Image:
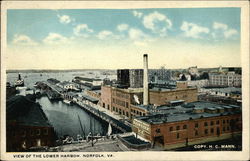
{"x":94,"y":109}
{"x":105,"y":117}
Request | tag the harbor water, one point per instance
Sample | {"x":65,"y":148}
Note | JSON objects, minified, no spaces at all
{"x":63,"y":117}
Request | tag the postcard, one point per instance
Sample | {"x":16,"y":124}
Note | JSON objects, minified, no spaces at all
{"x":125,"y":80}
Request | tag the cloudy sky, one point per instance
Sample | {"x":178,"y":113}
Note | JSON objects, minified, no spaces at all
{"x":118,"y":38}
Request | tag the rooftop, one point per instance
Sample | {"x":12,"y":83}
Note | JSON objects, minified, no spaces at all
{"x":188,"y":111}
{"x":24,"y":110}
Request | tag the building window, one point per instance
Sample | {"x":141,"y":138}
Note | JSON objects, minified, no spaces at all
{"x":177,"y":127}
{"x":103,"y":105}
{"x":237,"y":119}
{"x":171,"y":128}
{"x":196,"y":124}
{"x":218,"y":122}
{"x":227,"y":121}
{"x":127,"y":114}
{"x":108,"y":107}
{"x":205,"y":123}
{"x":212,"y":123}
{"x":31,"y":132}
{"x":224,"y":121}
{"x":38,"y":131}
{"x":158,"y":130}
{"x":224,"y":129}
{"x":211,"y":130}
{"x":206,"y":131}
{"x":45,"y":131}
{"x":126,"y":104}
{"x":177,"y":135}
{"x":184,"y":126}
{"x":196,"y":133}
{"x":228,"y":128}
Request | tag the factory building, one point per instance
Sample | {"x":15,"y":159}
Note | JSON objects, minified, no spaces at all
{"x":230,"y":79}
{"x":192,"y":123}
{"x":130,"y":78}
{"x":125,"y":101}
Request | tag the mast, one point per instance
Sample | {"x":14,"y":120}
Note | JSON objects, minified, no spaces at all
{"x":81,"y":125}
{"x":92,"y":144}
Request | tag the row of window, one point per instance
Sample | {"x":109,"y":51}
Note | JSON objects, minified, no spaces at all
{"x":178,"y":128}
{"x":121,"y":103}
{"x":136,"y":112}
{"x":32,"y":132}
{"x":121,"y":112}
{"x":205,"y":124}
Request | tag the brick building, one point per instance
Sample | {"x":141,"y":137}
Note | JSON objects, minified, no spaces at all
{"x":127,"y":102}
{"x":27,"y":125}
{"x":192,"y":124}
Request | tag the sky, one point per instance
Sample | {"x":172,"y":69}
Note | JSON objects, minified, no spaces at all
{"x":118,"y":38}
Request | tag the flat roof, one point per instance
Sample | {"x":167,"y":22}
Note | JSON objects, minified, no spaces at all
{"x":182,"y":112}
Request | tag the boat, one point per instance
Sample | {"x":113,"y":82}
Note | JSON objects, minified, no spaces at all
{"x":67,"y":102}
{"x":109,"y":130}
{"x":19,"y":82}
{"x":79,"y":139}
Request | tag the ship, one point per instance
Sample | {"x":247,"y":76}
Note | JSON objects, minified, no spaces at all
{"x":19,"y":82}
{"x":67,"y":102}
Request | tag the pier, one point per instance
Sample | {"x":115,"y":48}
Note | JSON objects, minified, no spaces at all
{"x":92,"y":108}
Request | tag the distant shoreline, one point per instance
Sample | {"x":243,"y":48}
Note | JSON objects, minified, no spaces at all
{"x":79,"y":70}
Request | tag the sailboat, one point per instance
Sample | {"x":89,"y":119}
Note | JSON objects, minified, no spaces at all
{"x":109,"y":130}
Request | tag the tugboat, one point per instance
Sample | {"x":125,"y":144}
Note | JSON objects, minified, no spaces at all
{"x":19,"y":82}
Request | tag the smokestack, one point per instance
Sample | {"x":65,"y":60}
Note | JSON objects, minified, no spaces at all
{"x":145,"y":79}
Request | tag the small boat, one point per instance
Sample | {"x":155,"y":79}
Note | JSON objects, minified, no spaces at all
{"x":19,"y":82}
{"x":109,"y":130}
{"x":67,"y":102}
{"x":79,"y":139}
{"x":68,"y":140}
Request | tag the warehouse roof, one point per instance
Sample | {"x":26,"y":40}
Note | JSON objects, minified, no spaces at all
{"x":24,"y":110}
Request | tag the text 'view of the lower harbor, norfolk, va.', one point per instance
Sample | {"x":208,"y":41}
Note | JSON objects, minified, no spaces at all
{"x":123,"y":80}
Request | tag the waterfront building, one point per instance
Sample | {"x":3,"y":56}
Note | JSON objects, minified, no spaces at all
{"x":229,"y":79}
{"x":27,"y":126}
{"x":91,"y":83}
{"x":191,"y":123}
{"x":68,"y":85}
{"x":124,"y":101}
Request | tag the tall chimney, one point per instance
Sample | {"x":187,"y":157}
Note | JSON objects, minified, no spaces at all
{"x":145,"y":79}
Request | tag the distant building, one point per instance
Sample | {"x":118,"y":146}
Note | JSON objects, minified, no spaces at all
{"x":91,"y":83}
{"x":27,"y":126}
{"x":193,"y":71}
{"x":68,"y":85}
{"x":229,"y":79}
{"x":136,"y":78}
{"x":130,"y":78}
{"x":160,"y":74}
{"x":192,"y":123}
{"x":123,"y":77}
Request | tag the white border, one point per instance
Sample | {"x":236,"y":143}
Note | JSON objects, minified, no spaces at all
{"x":244,"y":155}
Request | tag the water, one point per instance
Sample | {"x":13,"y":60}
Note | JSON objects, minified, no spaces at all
{"x":63,"y":117}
